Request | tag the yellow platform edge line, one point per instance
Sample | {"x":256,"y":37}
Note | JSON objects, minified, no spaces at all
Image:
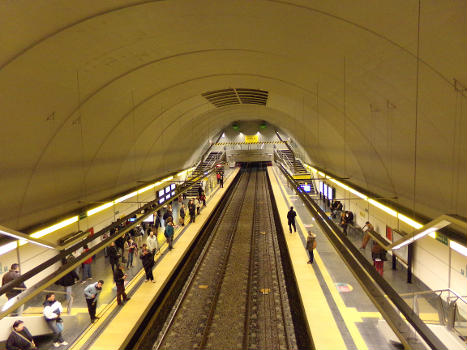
{"x":349,"y":317}
{"x":102,"y":341}
{"x":321,"y":322}
{"x":106,"y":311}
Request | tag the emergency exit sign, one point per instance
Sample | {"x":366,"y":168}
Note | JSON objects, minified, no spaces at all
{"x":442,"y":238}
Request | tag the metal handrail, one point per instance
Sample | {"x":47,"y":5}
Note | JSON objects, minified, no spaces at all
{"x":440,"y":291}
{"x":43,"y":291}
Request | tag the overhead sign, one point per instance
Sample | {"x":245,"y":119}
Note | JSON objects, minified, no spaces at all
{"x":251,"y":138}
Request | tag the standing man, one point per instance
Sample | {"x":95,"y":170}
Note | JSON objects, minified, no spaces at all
{"x":152,"y":243}
{"x":147,"y":259}
{"x":138,"y":235}
{"x":119,"y":278}
{"x":182,"y":215}
{"x":221,"y":181}
{"x":113,"y":256}
{"x":9,"y":277}
{"x":192,"y":210}
{"x":67,"y":282}
{"x":91,"y":294}
{"x":169,"y":234}
{"x":291,"y":219}
{"x":310,"y":245}
{"x":366,"y":237}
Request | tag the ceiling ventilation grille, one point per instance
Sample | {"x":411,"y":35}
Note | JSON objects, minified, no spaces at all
{"x":227,"y":97}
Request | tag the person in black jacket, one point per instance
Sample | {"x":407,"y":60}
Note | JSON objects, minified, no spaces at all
{"x":119,"y":278}
{"x":113,"y":256}
{"x":291,"y":219}
{"x":120,"y":244}
{"x":148,"y":262}
{"x":192,"y":210}
{"x":20,"y":338}
{"x":9,"y":277}
{"x":67,"y":282}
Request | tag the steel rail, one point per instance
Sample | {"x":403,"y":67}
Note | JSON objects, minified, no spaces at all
{"x":197,"y":267}
{"x":212,"y":309}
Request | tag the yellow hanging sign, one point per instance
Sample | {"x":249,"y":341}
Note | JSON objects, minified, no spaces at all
{"x":251,"y":138}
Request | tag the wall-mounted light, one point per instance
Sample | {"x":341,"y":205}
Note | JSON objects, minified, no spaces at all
{"x":458,"y":248}
{"x":427,"y":229}
{"x":22,"y":237}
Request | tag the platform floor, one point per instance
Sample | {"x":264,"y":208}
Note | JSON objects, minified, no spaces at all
{"x":355,"y":316}
{"x":341,"y":315}
{"x":101,"y":269}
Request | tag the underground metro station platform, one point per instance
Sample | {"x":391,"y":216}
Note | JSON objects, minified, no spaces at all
{"x":233,"y":175}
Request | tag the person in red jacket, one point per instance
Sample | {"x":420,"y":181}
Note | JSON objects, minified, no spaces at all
{"x":86,"y":266}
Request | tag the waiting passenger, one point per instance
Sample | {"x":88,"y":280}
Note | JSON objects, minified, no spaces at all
{"x":221,"y":181}
{"x":20,"y":338}
{"x":91,"y":293}
{"x":192,"y":210}
{"x":346,"y":221}
{"x":52,"y":311}
{"x":9,"y":277}
{"x":200,"y":189}
{"x":152,"y":243}
{"x":147,"y":259}
{"x":131,"y":248}
{"x":67,"y":282}
{"x":202,"y":199}
{"x":169,"y":234}
{"x":310,"y":245}
{"x":87,"y":273}
{"x":366,"y":237}
{"x":182,"y":215}
{"x":113,"y":256}
{"x":138,"y":234}
{"x":119,"y":277}
{"x":291,"y":219}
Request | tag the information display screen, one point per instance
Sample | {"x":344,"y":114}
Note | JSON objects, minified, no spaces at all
{"x":306,"y":188}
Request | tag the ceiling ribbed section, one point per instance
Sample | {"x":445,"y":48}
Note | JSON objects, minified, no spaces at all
{"x":103,"y":94}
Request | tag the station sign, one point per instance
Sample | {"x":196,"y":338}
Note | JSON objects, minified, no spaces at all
{"x":251,"y":138}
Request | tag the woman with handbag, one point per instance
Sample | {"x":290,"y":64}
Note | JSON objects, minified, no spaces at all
{"x":52,"y":311}
{"x":20,"y":338}
{"x":310,"y":246}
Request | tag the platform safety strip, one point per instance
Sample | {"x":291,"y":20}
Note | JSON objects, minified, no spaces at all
{"x":349,"y":315}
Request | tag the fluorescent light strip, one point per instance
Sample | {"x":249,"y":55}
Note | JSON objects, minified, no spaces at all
{"x":147,"y":188}
{"x":458,"y":248}
{"x":24,"y":240}
{"x":7,"y":247}
{"x":409,"y":221}
{"x":125,"y":197}
{"x":377,"y":204}
{"x":38,"y":234}
{"x":47,"y":230}
{"x":167,"y":179}
{"x":383,"y":207}
{"x":100,"y":208}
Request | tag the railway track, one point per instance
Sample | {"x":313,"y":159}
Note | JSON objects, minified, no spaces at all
{"x":235,"y":296}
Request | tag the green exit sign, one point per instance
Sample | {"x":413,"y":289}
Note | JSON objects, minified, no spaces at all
{"x":442,"y":238}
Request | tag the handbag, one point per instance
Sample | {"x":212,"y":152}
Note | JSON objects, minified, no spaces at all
{"x":33,"y":346}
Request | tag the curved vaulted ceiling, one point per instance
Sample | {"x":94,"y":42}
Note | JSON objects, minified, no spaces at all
{"x":95,"y":95}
